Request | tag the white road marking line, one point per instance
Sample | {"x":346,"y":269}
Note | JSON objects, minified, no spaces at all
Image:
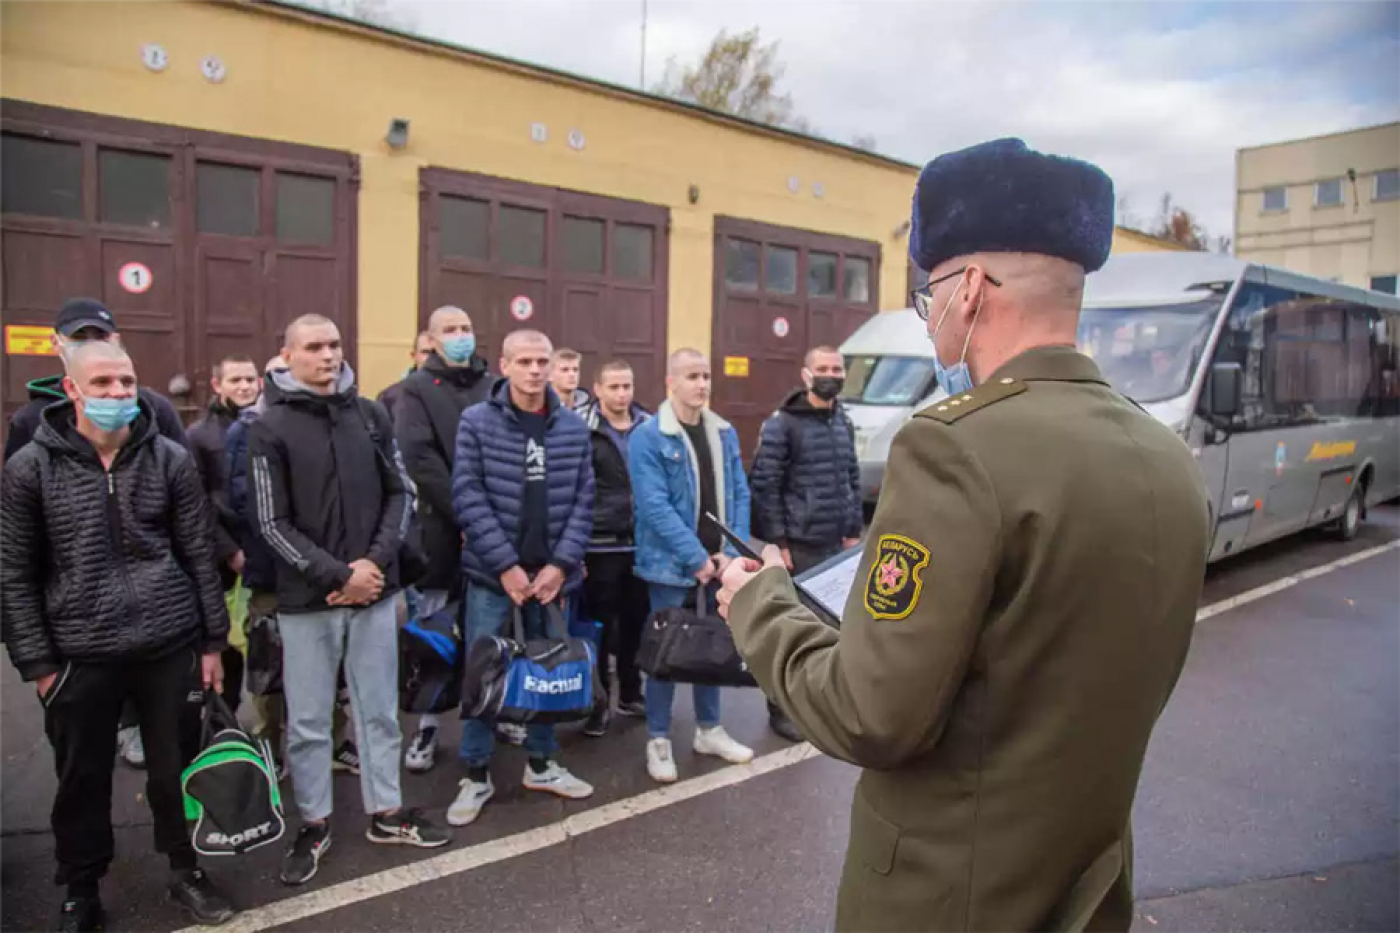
{"x":457,"y":861}
{"x":1283,"y":583}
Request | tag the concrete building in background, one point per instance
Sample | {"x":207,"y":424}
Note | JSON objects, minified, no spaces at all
{"x":212,"y":170}
{"x":1327,"y":206}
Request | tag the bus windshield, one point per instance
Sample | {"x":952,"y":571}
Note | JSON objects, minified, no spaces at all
{"x":887,"y":380}
{"x":1148,"y":352}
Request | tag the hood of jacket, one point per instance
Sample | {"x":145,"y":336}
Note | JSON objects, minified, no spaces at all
{"x":48,"y":388}
{"x":799,"y":404}
{"x":222,"y":413}
{"x":58,"y":430}
{"x":461,"y":376}
{"x":592,"y":415}
{"x":283,"y":389}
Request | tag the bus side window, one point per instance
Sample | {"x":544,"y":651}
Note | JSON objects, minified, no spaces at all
{"x":1250,"y":339}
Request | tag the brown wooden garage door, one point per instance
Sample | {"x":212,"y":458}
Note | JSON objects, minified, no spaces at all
{"x":778,"y":292}
{"x":591,"y":270}
{"x":238,"y":236}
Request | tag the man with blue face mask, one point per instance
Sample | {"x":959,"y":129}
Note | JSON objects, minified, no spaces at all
{"x":1028,"y":588}
{"x":450,"y":380}
{"x":109,"y":593}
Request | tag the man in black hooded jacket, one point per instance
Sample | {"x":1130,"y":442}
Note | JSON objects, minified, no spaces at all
{"x":108,"y":591}
{"x":451,"y":380}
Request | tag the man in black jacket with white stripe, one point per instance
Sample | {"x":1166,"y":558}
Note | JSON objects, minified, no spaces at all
{"x":333,"y":502}
{"x":109,"y":591}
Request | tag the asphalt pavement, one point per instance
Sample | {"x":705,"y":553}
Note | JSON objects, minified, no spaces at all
{"x":1270,"y":799}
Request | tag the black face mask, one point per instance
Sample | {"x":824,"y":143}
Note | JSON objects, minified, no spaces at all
{"x":827,"y":388}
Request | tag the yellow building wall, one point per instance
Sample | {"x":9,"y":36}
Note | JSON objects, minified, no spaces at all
{"x":1132,"y":241}
{"x":293,"y":79}
{"x":1349,"y":242}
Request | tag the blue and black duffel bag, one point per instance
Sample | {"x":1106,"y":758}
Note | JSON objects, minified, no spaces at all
{"x":552,"y":679}
{"x":430,"y":661}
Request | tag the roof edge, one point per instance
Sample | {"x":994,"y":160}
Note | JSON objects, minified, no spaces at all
{"x":316,"y":16}
{"x":1316,"y":136}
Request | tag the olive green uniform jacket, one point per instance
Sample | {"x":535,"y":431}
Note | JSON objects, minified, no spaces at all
{"x":1019,"y":618}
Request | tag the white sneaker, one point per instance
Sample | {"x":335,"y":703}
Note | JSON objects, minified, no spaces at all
{"x":556,"y":780}
{"x":470,"y":799}
{"x":718,"y":743}
{"x":130,"y":747}
{"x":511,"y":733}
{"x":660,"y":765}
{"x":422,"y":751}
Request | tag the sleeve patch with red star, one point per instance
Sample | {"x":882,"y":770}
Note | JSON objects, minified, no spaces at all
{"x":892,"y":591}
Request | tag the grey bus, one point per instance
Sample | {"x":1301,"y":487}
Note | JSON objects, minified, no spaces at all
{"x":1284,"y":387}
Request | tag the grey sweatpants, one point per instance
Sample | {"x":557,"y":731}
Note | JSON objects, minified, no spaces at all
{"x":313,"y":644}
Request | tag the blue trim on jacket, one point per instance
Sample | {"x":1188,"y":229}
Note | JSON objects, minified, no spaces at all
{"x":666,"y":488}
{"x":488,"y":484}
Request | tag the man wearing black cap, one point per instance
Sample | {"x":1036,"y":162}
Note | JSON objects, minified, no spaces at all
{"x":82,"y":319}
{"x":1027,"y":592}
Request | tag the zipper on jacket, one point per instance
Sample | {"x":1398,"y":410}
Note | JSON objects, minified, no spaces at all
{"x":114,"y":523}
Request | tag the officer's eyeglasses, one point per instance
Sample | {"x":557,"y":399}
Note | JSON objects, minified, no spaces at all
{"x":923,"y":295}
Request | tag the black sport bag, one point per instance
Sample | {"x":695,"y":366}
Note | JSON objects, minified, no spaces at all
{"x":430,"y":661}
{"x":231,"y":787}
{"x":690,"y":646}
{"x":539,"y":680}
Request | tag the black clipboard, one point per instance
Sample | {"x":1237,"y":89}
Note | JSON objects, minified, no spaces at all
{"x":803,"y":596}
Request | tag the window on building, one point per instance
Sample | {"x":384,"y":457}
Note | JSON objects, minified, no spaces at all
{"x":857,"y":279}
{"x":631,"y":252}
{"x":821,"y":275}
{"x":226,"y":199}
{"x":583,"y":245}
{"x":780,"y":275}
{"x":305,"y":209}
{"x":462,"y":228}
{"x":741,"y":265}
{"x":1328,"y":193}
{"x":134,"y":188}
{"x":41,"y":177}
{"x":1387,"y":185}
{"x":520,"y":231}
{"x":1384,"y":283}
{"x":1276,"y":199}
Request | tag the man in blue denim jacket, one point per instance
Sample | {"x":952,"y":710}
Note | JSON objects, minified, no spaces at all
{"x":685,"y":462}
{"x":522,"y":490}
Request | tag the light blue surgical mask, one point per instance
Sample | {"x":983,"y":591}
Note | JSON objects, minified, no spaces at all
{"x":955,"y":379}
{"x":110,"y":414}
{"x":459,"y":349}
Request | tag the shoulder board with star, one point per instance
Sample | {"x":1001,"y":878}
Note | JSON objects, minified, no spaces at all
{"x":954,"y":407}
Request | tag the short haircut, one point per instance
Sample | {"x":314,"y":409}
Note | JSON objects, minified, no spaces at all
{"x":683,"y":356}
{"x":87,"y":351}
{"x":306,"y":320}
{"x":612,"y":366}
{"x":565,"y":355}
{"x":231,"y":358}
{"x":516,"y":338}
{"x":435,"y":319}
{"x":812,"y":354}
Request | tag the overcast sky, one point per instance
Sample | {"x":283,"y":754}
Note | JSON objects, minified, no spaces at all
{"x":1160,"y":94}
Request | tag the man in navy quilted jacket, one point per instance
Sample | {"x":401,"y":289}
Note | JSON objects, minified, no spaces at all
{"x":522,"y":490}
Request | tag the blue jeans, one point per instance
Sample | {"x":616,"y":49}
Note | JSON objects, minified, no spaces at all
{"x":660,"y":694}
{"x":489,"y":613}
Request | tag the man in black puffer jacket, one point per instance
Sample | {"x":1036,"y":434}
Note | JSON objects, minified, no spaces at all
{"x":431,"y":401}
{"x":613,"y":594}
{"x":806,"y":478}
{"x":108,"y":590}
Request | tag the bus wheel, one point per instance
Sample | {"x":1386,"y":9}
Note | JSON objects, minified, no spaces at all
{"x":1350,"y":522}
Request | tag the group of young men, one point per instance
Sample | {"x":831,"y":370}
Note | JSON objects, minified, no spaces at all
{"x":126,"y":542}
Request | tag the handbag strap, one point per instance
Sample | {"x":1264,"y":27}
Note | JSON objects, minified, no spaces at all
{"x":216,"y":711}
{"x":555,"y":624}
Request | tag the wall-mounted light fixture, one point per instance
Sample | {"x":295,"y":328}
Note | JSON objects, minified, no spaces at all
{"x":397,"y":137}
{"x":694,"y":194}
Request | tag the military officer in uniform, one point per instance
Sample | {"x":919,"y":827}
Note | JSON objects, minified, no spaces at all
{"x":1026,"y":595}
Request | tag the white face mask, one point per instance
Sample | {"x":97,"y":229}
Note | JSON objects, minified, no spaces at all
{"x":956,"y":379}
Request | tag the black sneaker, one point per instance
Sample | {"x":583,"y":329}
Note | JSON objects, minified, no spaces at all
{"x":300,"y":862}
{"x":194,"y":891}
{"x":346,"y":758}
{"x":634,"y":708}
{"x":406,"y":828}
{"x":784,"y":726}
{"x":598,"y":722}
{"x":81,"y":915}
